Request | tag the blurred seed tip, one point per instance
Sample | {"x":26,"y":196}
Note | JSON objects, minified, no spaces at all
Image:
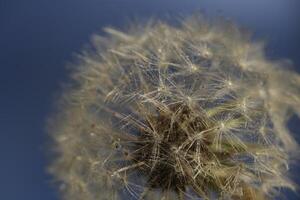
{"x":187,"y":111}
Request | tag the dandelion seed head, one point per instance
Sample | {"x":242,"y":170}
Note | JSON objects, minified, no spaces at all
{"x":192,"y":111}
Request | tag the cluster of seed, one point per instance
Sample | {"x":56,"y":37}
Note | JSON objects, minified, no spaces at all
{"x":190,"y":111}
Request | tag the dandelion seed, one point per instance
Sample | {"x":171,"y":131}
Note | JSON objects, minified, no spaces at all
{"x":92,"y":134}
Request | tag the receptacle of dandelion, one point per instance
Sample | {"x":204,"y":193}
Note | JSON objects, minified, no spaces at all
{"x":187,"y":111}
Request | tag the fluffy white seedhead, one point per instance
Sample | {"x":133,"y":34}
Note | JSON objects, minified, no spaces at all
{"x":193,"y":111}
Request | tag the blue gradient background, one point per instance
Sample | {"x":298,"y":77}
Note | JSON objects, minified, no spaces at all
{"x":39,"y":37}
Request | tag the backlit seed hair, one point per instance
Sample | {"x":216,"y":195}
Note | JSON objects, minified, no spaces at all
{"x":186,"y":111}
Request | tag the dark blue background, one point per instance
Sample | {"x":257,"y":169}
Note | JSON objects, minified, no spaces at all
{"x":38,"y":38}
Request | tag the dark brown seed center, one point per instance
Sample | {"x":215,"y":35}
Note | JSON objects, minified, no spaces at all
{"x":167,"y":160}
